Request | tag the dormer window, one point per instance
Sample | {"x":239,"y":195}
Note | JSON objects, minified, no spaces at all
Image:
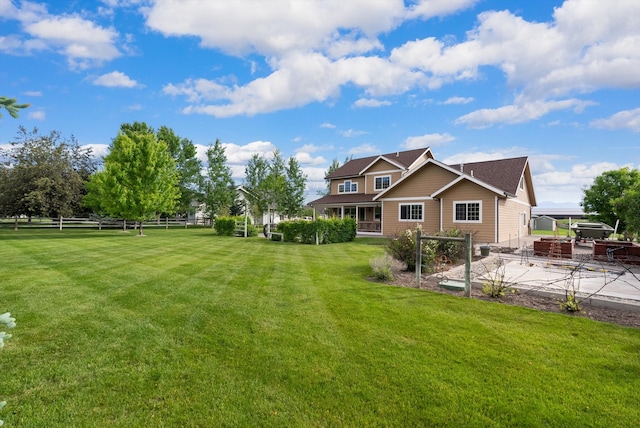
{"x":348,"y":187}
{"x":382,"y":182}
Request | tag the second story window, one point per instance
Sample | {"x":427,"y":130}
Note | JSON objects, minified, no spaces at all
{"x":382,"y":182}
{"x":348,"y":187}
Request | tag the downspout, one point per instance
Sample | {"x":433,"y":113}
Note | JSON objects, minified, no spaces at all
{"x":497,"y":221}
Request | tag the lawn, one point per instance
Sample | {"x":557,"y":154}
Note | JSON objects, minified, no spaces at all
{"x":185,"y":328}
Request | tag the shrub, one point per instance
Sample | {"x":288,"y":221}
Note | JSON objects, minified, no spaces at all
{"x":381,"y":267}
{"x":226,"y":226}
{"x":327,"y":231}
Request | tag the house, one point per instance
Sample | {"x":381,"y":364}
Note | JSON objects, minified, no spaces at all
{"x":390,"y":193}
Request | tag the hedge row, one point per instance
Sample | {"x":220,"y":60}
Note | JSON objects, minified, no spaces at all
{"x":226,"y":226}
{"x":328,"y":231}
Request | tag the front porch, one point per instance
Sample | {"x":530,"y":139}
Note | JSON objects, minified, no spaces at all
{"x":368,"y":217}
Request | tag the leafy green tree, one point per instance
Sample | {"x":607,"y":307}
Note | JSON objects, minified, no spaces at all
{"x":607,"y":188}
{"x":189,"y":168}
{"x":628,"y":206}
{"x":276,"y":182}
{"x":139,"y":179}
{"x":335,"y":164}
{"x":295,"y":185}
{"x":44,"y":175}
{"x":10,"y":105}
{"x":219,"y":187}
{"x":255,"y":179}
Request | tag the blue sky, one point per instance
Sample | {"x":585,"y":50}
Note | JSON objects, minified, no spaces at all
{"x":557,"y":81}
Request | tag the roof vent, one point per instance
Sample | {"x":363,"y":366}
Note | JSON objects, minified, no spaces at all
{"x":472,"y":173}
{"x":461,"y":167}
{"x":397,"y":154}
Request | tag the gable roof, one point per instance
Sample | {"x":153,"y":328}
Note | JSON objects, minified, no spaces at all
{"x":499,"y":176}
{"x":503,"y":174}
{"x":356,"y":167}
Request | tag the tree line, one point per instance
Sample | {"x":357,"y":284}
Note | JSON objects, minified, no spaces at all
{"x":146,"y":173}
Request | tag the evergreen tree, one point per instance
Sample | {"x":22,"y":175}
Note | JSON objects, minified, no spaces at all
{"x":219,"y":188}
{"x":255,"y":178}
{"x":10,"y":105}
{"x":334,"y":165}
{"x":296,"y":182}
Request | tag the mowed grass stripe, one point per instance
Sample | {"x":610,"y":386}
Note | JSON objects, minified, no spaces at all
{"x":184,"y":328}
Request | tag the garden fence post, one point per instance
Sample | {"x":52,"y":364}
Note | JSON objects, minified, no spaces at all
{"x":467,"y":264}
{"x":418,"y":257}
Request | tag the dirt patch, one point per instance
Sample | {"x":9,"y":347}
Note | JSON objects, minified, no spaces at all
{"x":515,"y":297}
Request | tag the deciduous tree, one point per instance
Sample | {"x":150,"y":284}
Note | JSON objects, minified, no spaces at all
{"x":44,"y":175}
{"x":295,"y":185}
{"x":598,"y":200}
{"x":139,"y":179}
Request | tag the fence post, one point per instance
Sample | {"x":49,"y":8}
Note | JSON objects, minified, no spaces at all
{"x":418,"y":257}
{"x":60,"y":222}
{"x":467,"y":264}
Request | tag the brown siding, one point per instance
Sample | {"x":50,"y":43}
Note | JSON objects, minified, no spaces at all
{"x":511,"y":224}
{"x":371,"y":182}
{"x":468,"y":191}
{"x":393,"y":226}
{"x":336,"y":182}
{"x":381,"y":165}
{"x":422,"y":183}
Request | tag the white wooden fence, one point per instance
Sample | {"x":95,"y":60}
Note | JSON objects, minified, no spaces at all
{"x":95,"y":223}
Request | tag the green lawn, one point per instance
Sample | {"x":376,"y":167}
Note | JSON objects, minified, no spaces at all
{"x":183,"y":328}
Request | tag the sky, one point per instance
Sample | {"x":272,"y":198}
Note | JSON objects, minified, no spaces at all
{"x":557,"y":81}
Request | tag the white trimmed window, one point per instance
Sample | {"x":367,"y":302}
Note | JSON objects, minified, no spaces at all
{"x":411,"y":212}
{"x":467,"y":212}
{"x":382,"y":182}
{"x":348,"y":187}
{"x":521,"y":185}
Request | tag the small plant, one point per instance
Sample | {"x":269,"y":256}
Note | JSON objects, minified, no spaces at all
{"x":495,"y":286}
{"x":381,"y":267}
{"x":7,"y":321}
{"x":570,"y":304}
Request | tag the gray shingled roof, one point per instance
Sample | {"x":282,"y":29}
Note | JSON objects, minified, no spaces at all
{"x":344,"y":198}
{"x":503,"y":173}
{"x":355,"y":166}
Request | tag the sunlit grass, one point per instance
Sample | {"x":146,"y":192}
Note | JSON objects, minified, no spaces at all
{"x":184,"y":328}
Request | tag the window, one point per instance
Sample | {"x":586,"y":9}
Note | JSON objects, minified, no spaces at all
{"x":377,"y":213}
{"x":521,"y":185}
{"x":469,"y":212}
{"x":347,"y":187}
{"x":382,"y":182}
{"x":411,"y":212}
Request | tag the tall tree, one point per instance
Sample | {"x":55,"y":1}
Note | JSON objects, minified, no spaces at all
{"x":10,"y":105}
{"x":255,"y":176}
{"x":335,"y":164}
{"x":139,"y":179}
{"x":598,"y":200}
{"x":189,"y":168}
{"x":44,"y":175}
{"x":276,"y":182}
{"x":295,"y":185}
{"x":628,"y":207}
{"x":219,"y":188}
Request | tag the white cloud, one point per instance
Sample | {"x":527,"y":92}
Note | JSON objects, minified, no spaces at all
{"x":83,"y":42}
{"x":519,"y":113}
{"x":350,"y":133}
{"x":33,"y":93}
{"x":98,"y":150}
{"x":626,"y":119}
{"x":458,"y":100}
{"x":363,"y":150}
{"x":115,"y":79}
{"x":370,"y":102}
{"x":237,"y":154}
{"x":304,"y":158}
{"x":425,"y":9}
{"x":427,"y":140}
{"x":328,"y":125}
{"x":37,"y":115}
